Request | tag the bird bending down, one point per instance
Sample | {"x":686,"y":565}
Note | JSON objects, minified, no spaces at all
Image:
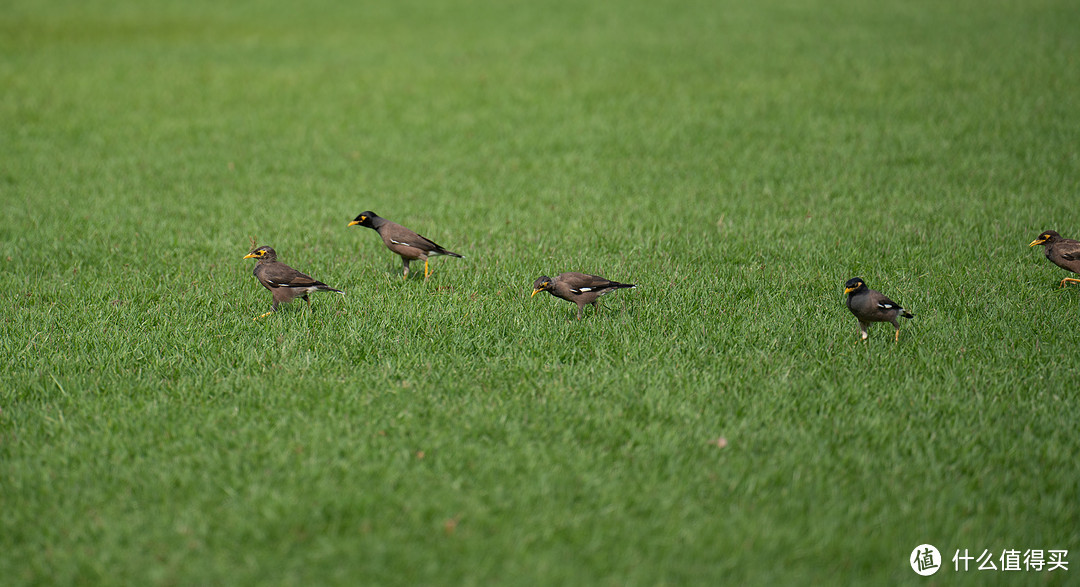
{"x":872,"y":306}
{"x":406,"y":243}
{"x":580,"y":288}
{"x":1063,"y":252}
{"x":284,"y":282}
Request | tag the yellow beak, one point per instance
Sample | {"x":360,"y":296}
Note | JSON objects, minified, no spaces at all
{"x":353,"y":223}
{"x":1037,"y":241}
{"x":848,"y":290}
{"x":251,"y":256}
{"x":536,"y":291}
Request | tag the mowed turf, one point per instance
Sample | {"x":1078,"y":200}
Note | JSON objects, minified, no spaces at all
{"x":718,"y":425}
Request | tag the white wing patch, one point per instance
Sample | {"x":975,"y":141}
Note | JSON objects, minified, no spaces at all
{"x":291,"y":286}
{"x":886,"y":306}
{"x":585,"y":289}
{"x":400,"y":243}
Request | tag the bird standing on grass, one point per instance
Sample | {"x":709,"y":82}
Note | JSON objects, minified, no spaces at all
{"x":1063,"y":252}
{"x":406,"y":243}
{"x":872,"y":306}
{"x":580,"y":288}
{"x":284,"y":282}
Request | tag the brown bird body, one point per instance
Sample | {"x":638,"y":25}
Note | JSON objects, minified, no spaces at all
{"x":1063,"y":252}
{"x":579,"y":288}
{"x":285,"y":283}
{"x":406,"y":243}
{"x":872,"y":306}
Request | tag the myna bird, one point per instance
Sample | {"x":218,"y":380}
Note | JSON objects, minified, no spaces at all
{"x":406,"y":243}
{"x":1063,"y":252}
{"x":284,"y":282}
{"x":580,"y":288}
{"x":872,"y":306}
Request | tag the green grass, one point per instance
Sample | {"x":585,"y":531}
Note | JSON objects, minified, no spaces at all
{"x":737,"y":160}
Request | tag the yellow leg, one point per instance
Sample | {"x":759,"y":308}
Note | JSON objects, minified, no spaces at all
{"x":426,"y":271}
{"x":897,"y":337}
{"x":1068,"y":279}
{"x":264,"y":315}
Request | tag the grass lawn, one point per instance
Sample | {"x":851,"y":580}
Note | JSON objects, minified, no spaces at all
{"x":718,"y":425}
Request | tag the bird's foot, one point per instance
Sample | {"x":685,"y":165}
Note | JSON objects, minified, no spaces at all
{"x":1068,"y":279}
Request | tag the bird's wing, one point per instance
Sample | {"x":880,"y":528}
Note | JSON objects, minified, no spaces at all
{"x":399,"y":235}
{"x":281,"y":275}
{"x":1069,"y":249}
{"x":885,"y":304}
{"x":583,"y":283}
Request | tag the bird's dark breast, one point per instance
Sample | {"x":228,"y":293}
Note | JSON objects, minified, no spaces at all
{"x":566,"y":295}
{"x":259,"y":270}
{"x":862,"y":306}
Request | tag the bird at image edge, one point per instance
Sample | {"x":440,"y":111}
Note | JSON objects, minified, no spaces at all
{"x":1063,"y":252}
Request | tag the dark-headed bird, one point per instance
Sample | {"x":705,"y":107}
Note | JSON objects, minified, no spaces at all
{"x":285,"y":283}
{"x":406,"y":243}
{"x":580,"y":288}
{"x":872,"y":306}
{"x":1063,"y":252}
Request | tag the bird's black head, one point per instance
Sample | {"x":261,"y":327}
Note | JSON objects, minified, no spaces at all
{"x":1048,"y":236}
{"x":262,"y":253}
{"x":365,"y":219}
{"x":854,"y":286}
{"x":542,"y":283}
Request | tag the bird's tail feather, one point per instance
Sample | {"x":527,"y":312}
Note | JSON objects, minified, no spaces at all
{"x":906,"y":314}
